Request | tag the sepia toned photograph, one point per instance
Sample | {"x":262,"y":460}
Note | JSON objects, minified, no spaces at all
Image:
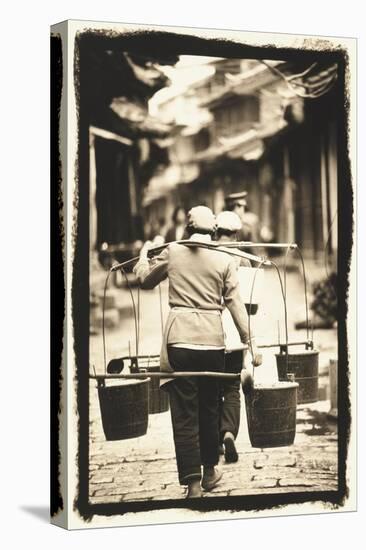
{"x":210,"y":241}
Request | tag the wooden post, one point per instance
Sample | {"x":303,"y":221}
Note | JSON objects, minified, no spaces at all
{"x":324,"y":193}
{"x":288,"y":202}
{"x":333,"y":382}
{"x":92,"y":200}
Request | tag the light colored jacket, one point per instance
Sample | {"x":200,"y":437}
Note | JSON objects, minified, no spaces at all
{"x":232,"y":337}
{"x":200,"y":280}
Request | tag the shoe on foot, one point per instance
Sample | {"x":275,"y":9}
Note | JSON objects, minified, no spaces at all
{"x":210,"y":480}
{"x":231,"y":454}
{"x":194,"y":490}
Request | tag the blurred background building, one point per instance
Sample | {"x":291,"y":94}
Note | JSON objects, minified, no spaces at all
{"x":246,"y":126}
{"x":188,"y":131}
{"x":124,"y":146}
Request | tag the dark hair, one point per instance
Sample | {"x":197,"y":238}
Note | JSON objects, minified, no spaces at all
{"x":191,"y":230}
{"x":175,"y":213}
{"x":220,"y":232}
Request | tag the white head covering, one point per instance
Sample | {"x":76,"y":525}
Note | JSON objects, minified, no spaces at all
{"x":229,"y":221}
{"x":202,"y":217}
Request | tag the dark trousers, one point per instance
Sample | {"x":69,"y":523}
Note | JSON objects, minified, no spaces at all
{"x":194,"y":406}
{"x":229,"y":405}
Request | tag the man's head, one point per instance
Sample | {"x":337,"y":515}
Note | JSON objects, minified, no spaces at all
{"x":227,"y":225}
{"x":236,"y":202}
{"x":201,"y":219}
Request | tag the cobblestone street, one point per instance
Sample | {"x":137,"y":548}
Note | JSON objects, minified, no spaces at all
{"x":144,"y":468}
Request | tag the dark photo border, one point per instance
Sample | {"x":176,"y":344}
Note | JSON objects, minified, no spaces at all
{"x":159,"y":42}
{"x":57,"y":294}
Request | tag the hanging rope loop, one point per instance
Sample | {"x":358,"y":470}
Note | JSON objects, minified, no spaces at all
{"x":284,"y":305}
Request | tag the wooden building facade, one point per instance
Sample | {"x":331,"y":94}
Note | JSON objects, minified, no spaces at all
{"x":279,"y":147}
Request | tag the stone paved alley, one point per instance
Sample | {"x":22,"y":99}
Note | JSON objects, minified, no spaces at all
{"x":144,"y":468}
